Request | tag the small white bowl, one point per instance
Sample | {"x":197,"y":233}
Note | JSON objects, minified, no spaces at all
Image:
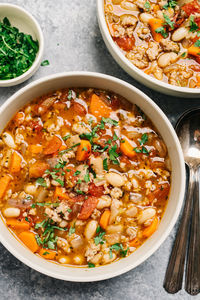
{"x":26,"y":23}
{"x":96,"y":80}
{"x":135,"y":72}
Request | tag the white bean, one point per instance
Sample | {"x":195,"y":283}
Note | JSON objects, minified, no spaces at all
{"x":131,"y":212}
{"x":97,"y":164}
{"x":64,"y":260}
{"x":11,"y":212}
{"x":144,"y":17}
{"x":166,"y":59}
{"x":146,"y":214}
{"x":129,"y":5}
{"x":104,"y":201}
{"x":8,"y":140}
{"x":90,"y":229}
{"x":115,"y":179}
{"x":30,"y":189}
{"x":78,"y":259}
{"x":114,"y":228}
{"x":179,"y":34}
{"x":128,"y":20}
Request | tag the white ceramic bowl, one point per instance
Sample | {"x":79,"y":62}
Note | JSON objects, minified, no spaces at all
{"x":26,"y":23}
{"x":96,"y":80}
{"x":135,"y":72}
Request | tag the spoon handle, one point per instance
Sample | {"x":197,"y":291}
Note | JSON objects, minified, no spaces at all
{"x":192,"y":285}
{"x":175,"y":268}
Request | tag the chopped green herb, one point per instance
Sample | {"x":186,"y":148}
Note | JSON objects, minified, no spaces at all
{"x":144,"y":139}
{"x":87,"y":176}
{"x":98,"y":229}
{"x":114,"y":155}
{"x":45,"y":63}
{"x":41,"y":182}
{"x":109,"y":141}
{"x":93,"y":172}
{"x":147,"y":5}
{"x":168,"y":21}
{"x":192,"y":24}
{"x":66,"y":137}
{"x":45,"y":253}
{"x":143,"y":150}
{"x":115,"y":137}
{"x":183,"y":54}
{"x":84,"y":149}
{"x":100,"y":238}
{"x":61,"y":182}
{"x":91,"y":265}
{"x":80,"y":192}
{"x":197,"y":43}
{"x":69,"y":210}
{"x":105,"y":164}
{"x":162,"y":31}
{"x":27,"y":220}
{"x":69,"y":149}
{"x":72,"y":230}
{"x":69,"y":97}
{"x":171,"y":3}
{"x":77,"y":173}
{"x":119,"y":247}
{"x":79,"y":181}
{"x":110,"y":254}
{"x":110,"y":121}
{"x":97,"y":148}
{"x":28,"y":197}
{"x":17,"y":51}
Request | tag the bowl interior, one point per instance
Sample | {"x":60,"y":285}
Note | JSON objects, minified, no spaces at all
{"x":163,"y":125}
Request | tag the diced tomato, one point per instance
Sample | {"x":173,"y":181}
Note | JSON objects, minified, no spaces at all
{"x":19,"y":118}
{"x":79,"y":109}
{"x":125,"y":43}
{"x":125,"y":159}
{"x":59,"y":105}
{"x":160,"y":193}
{"x":52,"y":145}
{"x":191,"y":7}
{"x":96,"y":191}
{"x":36,"y":125}
{"x":88,"y":207}
{"x":115,"y":102}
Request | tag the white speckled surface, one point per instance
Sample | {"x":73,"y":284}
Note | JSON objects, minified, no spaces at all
{"x":73,"y":42}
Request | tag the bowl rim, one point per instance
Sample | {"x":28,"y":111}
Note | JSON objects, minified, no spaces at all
{"x":36,"y":64}
{"x":129,"y":67}
{"x":97,"y":277}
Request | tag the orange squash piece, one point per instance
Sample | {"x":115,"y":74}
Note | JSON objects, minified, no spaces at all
{"x":15,"y":165}
{"x":127,"y":148}
{"x":60,"y":193}
{"x":156,"y":23}
{"x":4,"y":183}
{"x":28,"y":238}
{"x":18,"y":225}
{"x":148,"y":231}
{"x":47,"y":253}
{"x":104,"y":219}
{"x":98,"y":107}
{"x":83,"y":151}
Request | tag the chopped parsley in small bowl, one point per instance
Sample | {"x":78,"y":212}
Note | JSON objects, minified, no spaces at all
{"x":21,"y":45}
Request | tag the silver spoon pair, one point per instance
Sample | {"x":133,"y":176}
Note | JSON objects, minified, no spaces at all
{"x":188,"y":131}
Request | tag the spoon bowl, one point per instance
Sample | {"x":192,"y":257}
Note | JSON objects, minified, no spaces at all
{"x":188,"y":131}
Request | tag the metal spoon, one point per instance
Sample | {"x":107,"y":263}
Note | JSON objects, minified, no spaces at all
{"x":188,"y":131}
